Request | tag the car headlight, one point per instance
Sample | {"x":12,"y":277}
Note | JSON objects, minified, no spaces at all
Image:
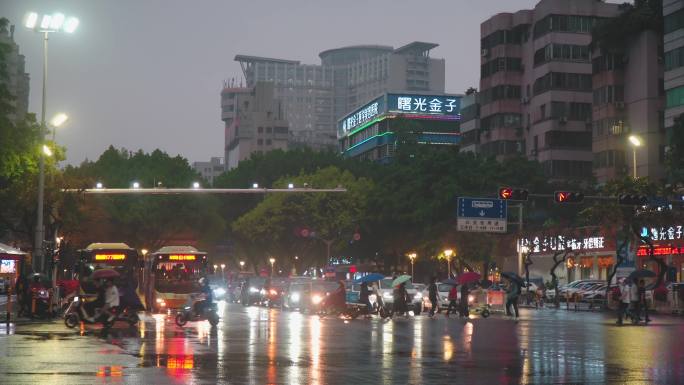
{"x":253,"y":290}
{"x":262,"y":291}
{"x":294,"y":297}
{"x":418,"y":296}
{"x":316,"y":299}
{"x":387,"y":295}
{"x":219,"y":291}
{"x":273,"y":292}
{"x":159,"y":300}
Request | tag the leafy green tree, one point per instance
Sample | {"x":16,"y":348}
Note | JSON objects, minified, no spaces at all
{"x":270,"y":226}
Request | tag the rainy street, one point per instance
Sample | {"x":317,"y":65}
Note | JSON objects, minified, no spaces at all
{"x":259,"y":346}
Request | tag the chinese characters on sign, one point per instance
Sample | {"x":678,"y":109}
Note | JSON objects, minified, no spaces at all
{"x":661,"y":250}
{"x":559,"y":243}
{"x":661,"y":233}
{"x":360,"y":117}
{"x":482,"y":225}
{"x":428,"y":104}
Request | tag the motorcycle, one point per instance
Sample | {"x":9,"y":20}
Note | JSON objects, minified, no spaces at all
{"x":39,"y":303}
{"x":72,"y":316}
{"x":208,"y":312}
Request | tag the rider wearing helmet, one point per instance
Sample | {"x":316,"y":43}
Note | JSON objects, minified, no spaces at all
{"x":206,"y":293}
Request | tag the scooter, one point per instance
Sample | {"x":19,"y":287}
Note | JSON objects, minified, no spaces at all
{"x":39,"y":303}
{"x":73,"y":315}
{"x":209,"y":312}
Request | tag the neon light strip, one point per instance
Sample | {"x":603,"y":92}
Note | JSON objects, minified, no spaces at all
{"x":365,"y":140}
{"x":365,"y":125}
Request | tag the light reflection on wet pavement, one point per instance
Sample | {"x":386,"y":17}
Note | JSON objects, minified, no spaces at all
{"x":259,"y":346}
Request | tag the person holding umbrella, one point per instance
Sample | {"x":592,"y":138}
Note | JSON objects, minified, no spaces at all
{"x":642,"y":301}
{"x":433,"y":296}
{"x":364,"y":296}
{"x":512,"y":294}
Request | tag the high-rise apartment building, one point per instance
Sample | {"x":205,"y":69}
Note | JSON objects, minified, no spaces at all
{"x":470,"y":122}
{"x":315,"y":96}
{"x":673,"y":12}
{"x":17,"y":80}
{"x":254,"y":122}
{"x":545,"y":94}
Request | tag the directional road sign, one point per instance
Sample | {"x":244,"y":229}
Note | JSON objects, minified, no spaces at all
{"x":482,"y":215}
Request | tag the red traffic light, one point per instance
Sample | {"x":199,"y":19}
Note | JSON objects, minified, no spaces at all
{"x":513,"y":194}
{"x":568,"y":197}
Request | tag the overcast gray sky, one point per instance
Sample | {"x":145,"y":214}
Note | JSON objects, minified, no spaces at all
{"x":147,"y":73}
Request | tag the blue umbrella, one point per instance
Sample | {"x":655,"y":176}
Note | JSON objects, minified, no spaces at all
{"x":370,"y":278}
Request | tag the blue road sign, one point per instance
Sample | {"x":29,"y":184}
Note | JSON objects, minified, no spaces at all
{"x":482,"y":214}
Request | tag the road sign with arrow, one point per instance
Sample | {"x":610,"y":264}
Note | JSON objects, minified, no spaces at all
{"x":482,"y":215}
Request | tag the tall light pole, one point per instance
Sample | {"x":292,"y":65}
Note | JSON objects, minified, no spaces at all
{"x":272,"y":260}
{"x":48,"y":24}
{"x":635,"y":141}
{"x":412,"y":258}
{"x":448,"y":253}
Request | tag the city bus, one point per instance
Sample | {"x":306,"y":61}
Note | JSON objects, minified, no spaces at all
{"x":116,"y":256}
{"x":171,"y":275}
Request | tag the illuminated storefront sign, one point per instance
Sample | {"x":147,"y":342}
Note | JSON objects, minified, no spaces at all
{"x":181,"y":257}
{"x":424,"y":104}
{"x":362,"y":115}
{"x":110,"y":257}
{"x":660,"y":250}
{"x":8,"y":266}
{"x":663,"y":233}
{"x":560,"y":243}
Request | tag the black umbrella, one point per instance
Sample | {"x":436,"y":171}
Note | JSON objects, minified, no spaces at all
{"x":642,"y":273}
{"x":513,"y":277}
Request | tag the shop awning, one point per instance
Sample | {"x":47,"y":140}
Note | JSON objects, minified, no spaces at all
{"x":11,"y":252}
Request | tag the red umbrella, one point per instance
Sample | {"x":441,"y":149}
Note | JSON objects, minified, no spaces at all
{"x":105,"y":273}
{"x":468,"y":277}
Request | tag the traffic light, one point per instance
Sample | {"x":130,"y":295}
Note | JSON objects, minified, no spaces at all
{"x":513,"y":194}
{"x":632,"y":200}
{"x":568,"y":197}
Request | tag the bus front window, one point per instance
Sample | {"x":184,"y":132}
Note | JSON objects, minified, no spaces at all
{"x":178,"y":277}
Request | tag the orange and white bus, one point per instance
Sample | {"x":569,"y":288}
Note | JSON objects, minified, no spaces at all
{"x":171,"y":276}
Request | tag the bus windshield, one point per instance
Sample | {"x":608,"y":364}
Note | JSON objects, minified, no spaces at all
{"x":178,"y":277}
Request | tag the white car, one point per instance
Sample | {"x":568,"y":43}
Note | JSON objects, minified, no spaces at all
{"x":386,"y":290}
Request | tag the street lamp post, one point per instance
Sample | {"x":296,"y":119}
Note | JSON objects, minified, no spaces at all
{"x":412,"y":257}
{"x":448,"y":253}
{"x":48,"y":24}
{"x":223,"y":274}
{"x":635,"y":141}
{"x":272,"y":260}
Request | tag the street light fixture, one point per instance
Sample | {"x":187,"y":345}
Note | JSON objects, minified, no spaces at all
{"x":48,"y":24}
{"x":272,"y":260}
{"x":98,"y":185}
{"x":144,"y":252}
{"x":412,"y":257}
{"x":255,"y":185}
{"x":242,"y":264}
{"x":136,"y":185}
{"x":195,"y":185}
{"x":635,"y":141}
{"x":448,"y":253}
{"x":46,"y":150}
{"x":290,"y":185}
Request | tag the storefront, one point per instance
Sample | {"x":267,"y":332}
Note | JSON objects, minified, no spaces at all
{"x":668,"y":246}
{"x":590,"y":257}
{"x":12,"y":263}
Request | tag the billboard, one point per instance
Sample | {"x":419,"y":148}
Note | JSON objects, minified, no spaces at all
{"x":425,"y":104}
{"x":361,"y":116}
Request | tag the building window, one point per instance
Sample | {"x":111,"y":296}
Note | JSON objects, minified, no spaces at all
{"x":607,"y":63}
{"x":260,"y":130}
{"x":564,"y":23}
{"x":675,"y":97}
{"x":500,"y":120}
{"x":609,"y":158}
{"x":269,"y":130}
{"x":504,"y":36}
{"x":562,"y":81}
{"x":268,"y":142}
{"x":501,"y":64}
{"x":674,"y":21}
{"x":674,"y":59}
{"x":499,"y":92}
{"x":260,"y":142}
{"x":561,"y":52}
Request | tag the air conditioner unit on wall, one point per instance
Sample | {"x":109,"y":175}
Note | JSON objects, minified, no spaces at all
{"x":563,"y":119}
{"x":484,"y":52}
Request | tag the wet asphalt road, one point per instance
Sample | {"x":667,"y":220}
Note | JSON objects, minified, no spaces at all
{"x":259,"y":346}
